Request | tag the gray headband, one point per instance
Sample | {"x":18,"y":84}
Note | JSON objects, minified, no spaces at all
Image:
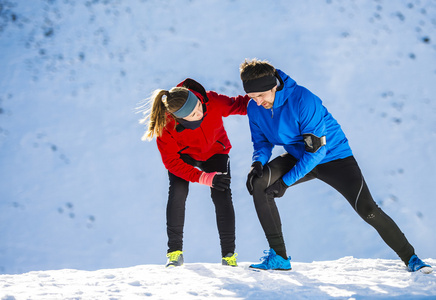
{"x":188,"y":107}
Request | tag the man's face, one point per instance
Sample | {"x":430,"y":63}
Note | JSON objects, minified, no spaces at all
{"x":266,"y":99}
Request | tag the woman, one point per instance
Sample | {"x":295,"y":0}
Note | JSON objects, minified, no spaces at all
{"x":187,"y":122}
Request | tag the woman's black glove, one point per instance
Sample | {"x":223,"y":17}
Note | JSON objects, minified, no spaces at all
{"x":256,"y":170}
{"x":277,"y":189}
{"x":221,"y":182}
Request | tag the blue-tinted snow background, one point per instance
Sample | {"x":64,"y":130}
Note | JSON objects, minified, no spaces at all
{"x":79,"y":189}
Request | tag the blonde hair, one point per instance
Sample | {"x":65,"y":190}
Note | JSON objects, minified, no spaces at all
{"x":255,"y":68}
{"x":156,"y":115}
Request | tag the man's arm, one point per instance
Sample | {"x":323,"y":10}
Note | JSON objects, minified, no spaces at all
{"x":313,"y":129}
{"x":262,"y":148}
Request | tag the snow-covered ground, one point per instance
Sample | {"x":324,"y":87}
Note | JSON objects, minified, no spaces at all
{"x":80,"y":190}
{"x":346,"y":278}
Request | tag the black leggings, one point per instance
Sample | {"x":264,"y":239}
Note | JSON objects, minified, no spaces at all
{"x":345,"y":176}
{"x":225,"y":214}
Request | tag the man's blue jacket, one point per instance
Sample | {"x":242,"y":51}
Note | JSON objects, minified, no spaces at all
{"x":296,"y":111}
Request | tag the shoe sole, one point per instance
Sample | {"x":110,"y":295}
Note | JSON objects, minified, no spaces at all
{"x":229,"y":265}
{"x":281,"y":270}
{"x":173,"y":266}
{"x":426,"y":270}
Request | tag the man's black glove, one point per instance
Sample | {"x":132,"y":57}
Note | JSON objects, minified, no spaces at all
{"x":256,"y":170}
{"x":277,"y":189}
{"x":221,"y":182}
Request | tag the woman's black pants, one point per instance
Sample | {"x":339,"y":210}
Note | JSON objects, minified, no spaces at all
{"x":345,"y":176}
{"x":225,"y":214}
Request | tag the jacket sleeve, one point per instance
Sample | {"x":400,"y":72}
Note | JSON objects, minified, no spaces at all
{"x":230,"y":105}
{"x":169,"y":149}
{"x":311,"y":115}
{"x":262,"y":147}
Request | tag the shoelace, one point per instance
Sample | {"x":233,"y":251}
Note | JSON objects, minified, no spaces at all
{"x":174,"y":256}
{"x":232,"y":259}
{"x":265,"y":259}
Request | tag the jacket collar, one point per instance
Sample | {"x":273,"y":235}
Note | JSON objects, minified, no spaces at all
{"x":285,"y":90}
{"x":182,"y":124}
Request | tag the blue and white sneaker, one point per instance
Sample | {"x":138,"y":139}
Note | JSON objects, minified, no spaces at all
{"x":272,"y":261}
{"x":416,"y":264}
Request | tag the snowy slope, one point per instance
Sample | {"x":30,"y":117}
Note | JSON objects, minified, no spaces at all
{"x":346,"y":278}
{"x":79,"y":190}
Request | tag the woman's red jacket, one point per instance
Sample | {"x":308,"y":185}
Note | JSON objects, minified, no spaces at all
{"x":201,"y":143}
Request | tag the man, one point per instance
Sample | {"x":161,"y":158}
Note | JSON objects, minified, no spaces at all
{"x":286,"y":114}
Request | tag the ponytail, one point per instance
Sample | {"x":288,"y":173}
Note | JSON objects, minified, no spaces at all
{"x":156,"y":115}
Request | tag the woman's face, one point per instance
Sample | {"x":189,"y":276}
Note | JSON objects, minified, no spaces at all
{"x":196,"y":114}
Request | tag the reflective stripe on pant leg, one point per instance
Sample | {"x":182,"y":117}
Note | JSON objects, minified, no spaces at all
{"x":346,"y":177}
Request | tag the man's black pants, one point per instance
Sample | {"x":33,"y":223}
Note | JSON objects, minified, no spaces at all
{"x":345,"y":176}
{"x":225,"y":214}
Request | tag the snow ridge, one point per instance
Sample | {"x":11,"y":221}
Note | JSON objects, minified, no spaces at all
{"x":345,"y":278}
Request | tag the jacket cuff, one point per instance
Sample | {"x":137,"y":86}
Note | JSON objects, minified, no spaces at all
{"x":207,"y":178}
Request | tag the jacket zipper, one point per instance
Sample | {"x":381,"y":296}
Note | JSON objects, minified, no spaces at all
{"x":222,"y":144}
{"x":272,"y":113}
